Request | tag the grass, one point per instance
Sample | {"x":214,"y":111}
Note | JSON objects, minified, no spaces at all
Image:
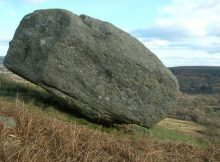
{"x":163,"y":133}
{"x":200,"y":109}
{"x":186,"y":127}
{"x":39,"y":138}
{"x":47,"y":131}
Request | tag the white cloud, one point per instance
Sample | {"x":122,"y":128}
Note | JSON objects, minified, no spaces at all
{"x":187,"y":57}
{"x":185,"y":33}
{"x":154,"y":43}
{"x":196,"y":16}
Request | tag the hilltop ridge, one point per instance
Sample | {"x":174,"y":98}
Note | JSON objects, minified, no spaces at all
{"x":198,"y":79}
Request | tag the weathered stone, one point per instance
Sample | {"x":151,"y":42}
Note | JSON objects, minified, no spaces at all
{"x":94,"y":67}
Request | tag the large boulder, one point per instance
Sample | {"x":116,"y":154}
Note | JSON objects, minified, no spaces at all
{"x":95,"y":68}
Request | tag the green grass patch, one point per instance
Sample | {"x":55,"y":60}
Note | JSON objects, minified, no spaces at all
{"x":167,"y":134}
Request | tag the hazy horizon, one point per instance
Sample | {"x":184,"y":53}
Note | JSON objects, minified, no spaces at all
{"x":179,"y":32}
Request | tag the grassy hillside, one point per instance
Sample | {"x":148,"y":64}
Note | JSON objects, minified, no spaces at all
{"x":39,"y":138}
{"x":201,"y":109}
{"x":198,"y":79}
{"x":46,"y":131}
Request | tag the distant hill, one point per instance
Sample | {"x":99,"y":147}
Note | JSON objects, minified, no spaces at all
{"x":1,"y":59}
{"x":198,"y":79}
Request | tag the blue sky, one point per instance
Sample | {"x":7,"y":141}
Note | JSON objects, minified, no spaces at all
{"x":179,"y":32}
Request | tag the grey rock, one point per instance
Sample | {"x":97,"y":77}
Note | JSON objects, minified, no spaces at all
{"x":95,"y":68}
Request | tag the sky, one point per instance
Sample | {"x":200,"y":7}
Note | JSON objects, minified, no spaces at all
{"x":179,"y":32}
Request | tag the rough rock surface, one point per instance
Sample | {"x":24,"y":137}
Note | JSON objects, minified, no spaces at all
{"x":94,"y":67}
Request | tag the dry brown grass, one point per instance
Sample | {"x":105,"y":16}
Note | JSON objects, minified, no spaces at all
{"x":38,"y":138}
